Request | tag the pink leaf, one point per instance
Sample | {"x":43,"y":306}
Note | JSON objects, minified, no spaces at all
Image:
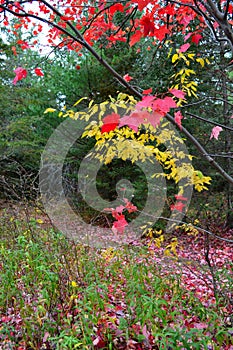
{"x":184,"y":48}
{"x":39,"y":72}
{"x":120,"y":224}
{"x":120,"y":208}
{"x":164,"y":105}
{"x":200,"y":325}
{"x":147,"y":101}
{"x":178,"y":117}
{"x":21,"y":73}
{"x":132,"y":121}
{"x":46,"y":336}
{"x":178,"y":93}
{"x":215,"y":132}
{"x":187,"y":36}
{"x":178,"y":206}
{"x":127,"y":77}
{"x":136,"y":118}
{"x":180,"y":197}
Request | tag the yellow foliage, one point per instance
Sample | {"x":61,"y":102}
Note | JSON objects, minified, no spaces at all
{"x":171,"y":248}
{"x":182,"y":77}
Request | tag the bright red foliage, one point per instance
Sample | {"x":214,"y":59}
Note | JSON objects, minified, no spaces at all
{"x":21,"y":73}
{"x":111,"y":121}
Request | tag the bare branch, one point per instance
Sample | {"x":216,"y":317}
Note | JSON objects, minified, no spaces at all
{"x":209,"y":121}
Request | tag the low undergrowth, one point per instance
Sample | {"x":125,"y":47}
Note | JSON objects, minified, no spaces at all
{"x":57,"y":294}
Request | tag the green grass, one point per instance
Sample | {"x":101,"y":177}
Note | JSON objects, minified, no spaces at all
{"x":60,"y":295}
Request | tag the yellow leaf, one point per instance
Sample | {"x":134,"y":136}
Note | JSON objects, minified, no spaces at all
{"x":175,"y":57}
{"x":50,"y":110}
{"x":201,"y":61}
{"x":81,"y":99}
{"x":191,"y":55}
{"x":73,"y":284}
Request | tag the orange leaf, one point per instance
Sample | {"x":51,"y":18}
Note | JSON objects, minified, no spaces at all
{"x":135,"y":38}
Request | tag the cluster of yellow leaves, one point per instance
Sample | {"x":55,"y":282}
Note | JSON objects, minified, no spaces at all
{"x":155,"y":237}
{"x":171,"y":247}
{"x":189,"y":229}
{"x":200,"y":181}
{"x":109,"y":253}
{"x":184,"y":79}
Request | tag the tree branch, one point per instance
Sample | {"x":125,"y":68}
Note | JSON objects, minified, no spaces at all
{"x":209,"y":121}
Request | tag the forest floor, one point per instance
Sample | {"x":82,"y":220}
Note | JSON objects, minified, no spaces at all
{"x":59,"y":294}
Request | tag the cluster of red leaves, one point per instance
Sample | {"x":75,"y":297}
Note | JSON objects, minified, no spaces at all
{"x":141,"y":115}
{"x":21,"y":73}
{"x":155,"y":19}
{"x":117,"y":213}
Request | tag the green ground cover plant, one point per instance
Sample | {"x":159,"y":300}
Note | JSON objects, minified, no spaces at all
{"x":57,"y":294}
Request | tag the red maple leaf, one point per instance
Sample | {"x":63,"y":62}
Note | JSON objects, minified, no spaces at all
{"x":178,"y":93}
{"x":142,"y":4}
{"x":147,"y":92}
{"x":130,"y":206}
{"x":111,"y":121}
{"x":161,"y":32}
{"x":21,"y":73}
{"x":148,"y":25}
{"x":116,"y":7}
{"x":167,"y":10}
{"x":39,"y":72}
{"x":127,"y":77}
{"x":14,"y":50}
{"x":196,"y":38}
